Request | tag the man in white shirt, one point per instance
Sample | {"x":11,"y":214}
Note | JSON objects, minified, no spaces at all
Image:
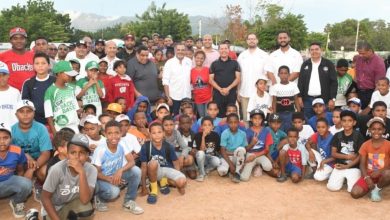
{"x":176,"y":78}
{"x":83,"y":54}
{"x":284,"y":56}
{"x":252,"y":62}
{"x":110,"y":50}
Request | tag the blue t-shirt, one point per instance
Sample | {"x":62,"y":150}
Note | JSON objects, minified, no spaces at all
{"x":34,"y":141}
{"x":313,"y":120}
{"x":264,"y":139}
{"x":158,"y":155}
{"x":276,"y":137}
{"x":232,"y":141}
{"x":14,"y":157}
{"x":223,"y":126}
{"x":196,"y":126}
{"x":108,"y":161}
{"x":324,"y":146}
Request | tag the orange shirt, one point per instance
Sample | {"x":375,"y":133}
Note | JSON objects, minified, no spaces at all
{"x":141,"y":137}
{"x":377,"y":158}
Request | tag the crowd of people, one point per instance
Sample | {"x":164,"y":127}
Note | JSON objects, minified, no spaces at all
{"x":81,"y":122}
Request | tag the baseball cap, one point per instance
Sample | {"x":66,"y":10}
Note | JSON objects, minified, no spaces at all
{"x":25,"y":103}
{"x":101,"y":61}
{"x":349,"y":113}
{"x":186,"y":100}
{"x":17,"y":30}
{"x":274,"y":117}
{"x":81,"y":42}
{"x":122,"y":117}
{"x":256,"y":112}
{"x":155,"y":34}
{"x":74,"y":61}
{"x":4,"y":68}
{"x":80,"y":140}
{"x":100,"y":41}
{"x":5,"y":127}
{"x":169,"y":36}
{"x":64,"y":67}
{"x":318,"y":101}
{"x":92,"y":119}
{"x":162,"y":105}
{"x":129,"y":36}
{"x":376,"y":119}
{"x":354,"y":100}
{"x":115,"y":107}
{"x":91,"y":65}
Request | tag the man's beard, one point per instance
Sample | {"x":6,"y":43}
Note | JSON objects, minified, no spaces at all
{"x":129,"y":47}
{"x":284,"y":44}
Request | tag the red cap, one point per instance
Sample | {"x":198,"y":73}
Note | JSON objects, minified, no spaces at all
{"x":129,"y":36}
{"x":17,"y":30}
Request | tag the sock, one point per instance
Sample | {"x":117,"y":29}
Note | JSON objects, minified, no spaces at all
{"x":153,"y":188}
{"x":163,"y":181}
{"x":376,"y":188}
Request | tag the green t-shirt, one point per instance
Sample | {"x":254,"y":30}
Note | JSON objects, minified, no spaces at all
{"x":91,"y":96}
{"x":344,"y":83}
{"x":61,"y":104}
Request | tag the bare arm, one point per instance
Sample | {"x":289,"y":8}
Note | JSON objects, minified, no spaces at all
{"x":293,"y":76}
{"x":213,"y":83}
{"x":236,"y":81}
{"x":43,"y":158}
{"x":50,"y":122}
{"x":271,"y":76}
{"x":48,"y":205}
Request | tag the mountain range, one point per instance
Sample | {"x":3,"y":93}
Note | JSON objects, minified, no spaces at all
{"x":93,"y":22}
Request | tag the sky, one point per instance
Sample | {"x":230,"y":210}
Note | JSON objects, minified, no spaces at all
{"x":317,"y":13}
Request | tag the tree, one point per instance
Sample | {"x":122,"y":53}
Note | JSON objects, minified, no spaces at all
{"x":316,"y":37}
{"x":39,"y":18}
{"x":162,"y":21}
{"x":236,"y":31}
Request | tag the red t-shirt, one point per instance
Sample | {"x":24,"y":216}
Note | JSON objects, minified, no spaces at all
{"x":20,"y":67}
{"x":121,"y":87}
{"x":200,"y":85}
{"x":232,"y":55}
{"x":106,"y":81}
{"x":295,"y":157}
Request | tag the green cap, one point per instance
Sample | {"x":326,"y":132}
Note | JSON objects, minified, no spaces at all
{"x":92,"y":65}
{"x":64,"y":67}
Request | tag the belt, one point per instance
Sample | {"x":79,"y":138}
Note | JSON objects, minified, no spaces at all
{"x":314,"y":97}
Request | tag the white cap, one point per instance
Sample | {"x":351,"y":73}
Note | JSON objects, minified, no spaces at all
{"x":5,"y":127}
{"x":90,"y":119}
{"x":25,"y":103}
{"x":318,"y":101}
{"x":4,"y":68}
{"x":162,"y":105}
{"x":122,"y":117}
{"x":376,"y":119}
{"x":355,"y":100}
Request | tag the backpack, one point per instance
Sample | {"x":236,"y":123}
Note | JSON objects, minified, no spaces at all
{"x":148,"y":145}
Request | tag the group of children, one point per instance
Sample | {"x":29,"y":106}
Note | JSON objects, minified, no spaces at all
{"x":92,"y":149}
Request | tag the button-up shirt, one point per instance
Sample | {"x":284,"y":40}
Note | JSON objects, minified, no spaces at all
{"x":368,"y":71}
{"x":177,"y":76}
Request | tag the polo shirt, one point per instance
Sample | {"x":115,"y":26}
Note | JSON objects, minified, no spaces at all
{"x":224,"y":72}
{"x":368,"y":71}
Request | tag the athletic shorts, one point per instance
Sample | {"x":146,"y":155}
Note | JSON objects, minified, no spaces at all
{"x":362,"y":183}
{"x":291,"y":168}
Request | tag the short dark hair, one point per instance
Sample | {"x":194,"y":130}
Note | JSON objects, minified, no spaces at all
{"x":155,"y":124}
{"x":93,"y":107}
{"x":119,"y":98}
{"x":323,"y":120}
{"x":207,"y":118}
{"x":62,"y":137}
{"x":200,"y":52}
{"x":167,"y":118}
{"x":113,"y":123}
{"x":231,"y":105}
{"x":293,"y":129}
{"x":141,"y":48}
{"x":42,"y":55}
{"x":232,"y":115}
{"x":103,"y":115}
{"x":284,"y":67}
{"x":211,"y":103}
{"x":349,"y":113}
{"x":119,"y":63}
{"x":363,"y":45}
{"x":284,"y":32}
{"x":342,"y":63}
{"x":385,"y":79}
{"x":315,"y":43}
{"x":379,"y":103}
{"x":298,"y":115}
{"x":182,"y":117}
{"x":41,"y":38}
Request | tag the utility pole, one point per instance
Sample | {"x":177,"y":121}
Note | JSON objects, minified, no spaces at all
{"x":200,"y":28}
{"x":327,"y":42}
{"x":357,"y":35}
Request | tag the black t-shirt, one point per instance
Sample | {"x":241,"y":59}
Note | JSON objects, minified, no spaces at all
{"x":225,"y":72}
{"x":212,"y":142}
{"x":51,"y":162}
{"x":347,"y":145}
{"x":362,"y":125}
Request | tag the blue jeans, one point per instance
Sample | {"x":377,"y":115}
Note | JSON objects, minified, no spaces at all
{"x":286,"y":118}
{"x":201,"y":108}
{"x":106,"y":191}
{"x":206,"y":161}
{"x":308,"y":107}
{"x":18,"y":187}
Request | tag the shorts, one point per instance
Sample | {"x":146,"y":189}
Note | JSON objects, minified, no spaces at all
{"x":291,"y":168}
{"x":275,"y":155}
{"x":362,"y":183}
{"x":168,"y":172}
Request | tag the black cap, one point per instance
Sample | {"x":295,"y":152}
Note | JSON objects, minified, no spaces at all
{"x":256,"y":112}
{"x":186,"y":100}
{"x":100,"y":41}
{"x":348,"y":113}
{"x":342,"y":63}
{"x":80,"y":140}
{"x":274,"y":117}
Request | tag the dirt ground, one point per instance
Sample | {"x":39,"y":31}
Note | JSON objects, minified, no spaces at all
{"x":260,"y":198}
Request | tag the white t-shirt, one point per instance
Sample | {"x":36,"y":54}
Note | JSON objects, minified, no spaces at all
{"x":131,"y":144}
{"x":376,"y":96}
{"x":110,"y":67}
{"x":305,"y":134}
{"x":333,"y":130}
{"x":257,"y":102}
{"x":291,"y":58}
{"x":252,"y":68}
{"x":101,"y":141}
{"x":314,"y":85}
{"x":388,"y":73}
{"x":90,"y":57}
{"x":8,"y":100}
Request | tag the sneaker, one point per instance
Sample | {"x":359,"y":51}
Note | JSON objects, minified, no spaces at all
{"x":375,"y":195}
{"x":236,"y":178}
{"x":17,"y":209}
{"x":99,"y":205}
{"x":200,"y":178}
{"x":165,"y":190}
{"x":152,"y":199}
{"x":281,"y":178}
{"x":37,"y":191}
{"x":131,"y":206}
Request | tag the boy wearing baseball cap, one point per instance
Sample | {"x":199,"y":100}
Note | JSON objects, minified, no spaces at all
{"x":128,"y":140}
{"x":114,"y":109}
{"x":90,"y":89}
{"x":354,"y":104}
{"x":374,"y":162}
{"x":60,"y":102}
{"x":320,"y":111}
{"x":9,"y":97}
{"x":12,"y":182}
{"x":70,"y":184}
{"x":92,"y":128}
{"x":34,"y":140}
